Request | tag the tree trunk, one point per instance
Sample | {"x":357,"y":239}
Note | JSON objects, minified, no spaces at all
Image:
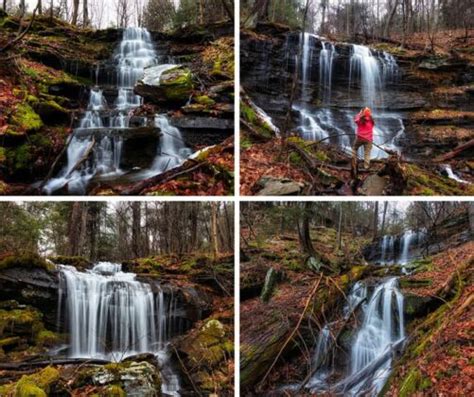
{"x":40,"y":7}
{"x":339,"y":231}
{"x":136,"y":223}
{"x":74,"y":228}
{"x":376,"y":219}
{"x":304,"y":233}
{"x":214,"y":243}
{"x":85,"y":13}
{"x":385,"y":206}
{"x":471,"y":217}
{"x":75,"y":12}
{"x":386,"y":32}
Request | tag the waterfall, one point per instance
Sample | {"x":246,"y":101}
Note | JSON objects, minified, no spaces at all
{"x":306,"y":58}
{"x":365,"y":67}
{"x":382,"y":327}
{"x":111,"y":315}
{"x":326,"y":60}
{"x":369,"y":72}
{"x":407,"y":240}
{"x":95,"y":147}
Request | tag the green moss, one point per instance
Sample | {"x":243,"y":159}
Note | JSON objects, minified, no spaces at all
{"x":245,"y":142}
{"x":205,"y":100}
{"x":3,"y":155}
{"x":248,"y":113}
{"x":76,"y":261}
{"x":177,"y":83}
{"x":26,"y":119}
{"x":28,"y":260}
{"x":413,"y":383}
{"x":188,"y":265}
{"x":296,"y":159}
{"x":47,"y":338}
{"x":114,"y":391}
{"x":36,"y":385}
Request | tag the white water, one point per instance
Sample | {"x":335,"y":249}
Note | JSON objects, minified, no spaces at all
{"x":99,"y":131}
{"x":326,"y":61}
{"x":452,"y":175}
{"x":382,"y":326}
{"x":388,"y":250}
{"x":110,"y":315}
{"x":368,"y":75}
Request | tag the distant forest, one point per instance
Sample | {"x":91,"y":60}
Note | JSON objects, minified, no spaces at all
{"x":369,"y":18}
{"x":152,"y":14}
{"x":116,"y":231}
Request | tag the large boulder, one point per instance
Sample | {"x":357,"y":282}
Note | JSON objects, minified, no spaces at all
{"x":174,"y":85}
{"x":205,"y":350}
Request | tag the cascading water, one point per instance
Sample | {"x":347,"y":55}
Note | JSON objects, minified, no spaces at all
{"x":369,"y":73}
{"x":326,"y":60}
{"x":95,"y":147}
{"x":110,"y":315}
{"x":382,"y":330}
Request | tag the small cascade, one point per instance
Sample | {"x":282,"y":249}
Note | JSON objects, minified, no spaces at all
{"x":382,"y":330}
{"x":387,"y":248}
{"x":111,"y":315}
{"x":172,"y":149}
{"x":382,"y":327}
{"x":95,"y":148}
{"x":326,"y":61}
{"x":364,"y":67}
{"x":451,"y":175}
{"x":306,"y":59}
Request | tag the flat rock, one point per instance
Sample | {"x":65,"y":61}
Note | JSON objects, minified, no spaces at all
{"x":279,"y":187}
{"x":374,"y":185}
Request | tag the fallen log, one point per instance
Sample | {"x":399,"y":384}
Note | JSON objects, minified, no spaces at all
{"x":454,"y":153}
{"x":356,"y":378}
{"x":84,"y":158}
{"x":161,"y":178}
{"x":45,"y":363}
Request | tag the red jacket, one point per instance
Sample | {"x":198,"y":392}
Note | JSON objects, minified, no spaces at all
{"x":365,"y":128}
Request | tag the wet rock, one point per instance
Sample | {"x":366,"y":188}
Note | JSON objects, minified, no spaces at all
{"x":174,"y":85}
{"x":135,"y":379}
{"x":52,"y":113}
{"x":196,"y":122}
{"x":279,"y":187}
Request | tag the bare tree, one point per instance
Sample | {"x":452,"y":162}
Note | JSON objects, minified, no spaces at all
{"x":75,"y":12}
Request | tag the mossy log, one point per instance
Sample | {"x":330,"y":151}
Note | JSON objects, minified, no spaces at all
{"x":263,"y":338}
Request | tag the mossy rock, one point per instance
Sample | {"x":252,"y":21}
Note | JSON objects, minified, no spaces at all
{"x":45,"y":338}
{"x":204,"y":100}
{"x":177,"y":84}
{"x":209,"y":346}
{"x":24,"y":120}
{"x":78,"y":262}
{"x":52,"y":113}
{"x":40,"y":384}
{"x":26,"y":260}
{"x":114,"y":391}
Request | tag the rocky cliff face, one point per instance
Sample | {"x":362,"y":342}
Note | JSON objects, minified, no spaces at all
{"x":426,"y":87}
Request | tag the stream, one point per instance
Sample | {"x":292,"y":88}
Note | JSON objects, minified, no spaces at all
{"x":109,"y":314}
{"x":353,"y":354}
{"x":96,"y":147}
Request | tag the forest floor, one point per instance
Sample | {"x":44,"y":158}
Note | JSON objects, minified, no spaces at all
{"x":270,"y":166}
{"x":439,"y":358}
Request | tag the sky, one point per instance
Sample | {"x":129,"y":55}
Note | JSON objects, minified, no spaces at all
{"x":101,"y":11}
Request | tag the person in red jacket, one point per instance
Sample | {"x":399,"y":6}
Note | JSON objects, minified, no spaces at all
{"x":365,"y":136}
